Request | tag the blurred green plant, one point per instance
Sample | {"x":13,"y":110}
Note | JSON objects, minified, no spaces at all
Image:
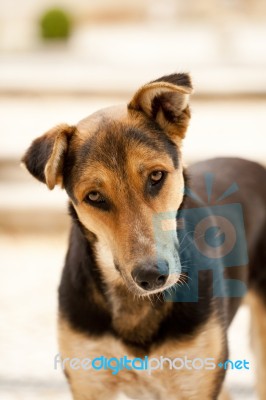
{"x":55,"y":24}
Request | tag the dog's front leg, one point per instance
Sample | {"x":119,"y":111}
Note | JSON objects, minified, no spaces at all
{"x":87,"y":381}
{"x":195,"y":373}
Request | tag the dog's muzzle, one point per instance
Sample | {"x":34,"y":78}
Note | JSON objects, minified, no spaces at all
{"x":150,"y":276}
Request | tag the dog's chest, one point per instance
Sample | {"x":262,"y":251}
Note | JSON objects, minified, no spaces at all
{"x":158,"y":382}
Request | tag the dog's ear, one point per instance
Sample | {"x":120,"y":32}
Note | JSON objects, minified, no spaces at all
{"x":166,"y":101}
{"x":45,"y":157}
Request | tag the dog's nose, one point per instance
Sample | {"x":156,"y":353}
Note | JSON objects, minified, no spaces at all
{"x":150,"y":276}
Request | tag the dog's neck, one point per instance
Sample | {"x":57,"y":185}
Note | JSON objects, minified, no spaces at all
{"x":134,"y":318}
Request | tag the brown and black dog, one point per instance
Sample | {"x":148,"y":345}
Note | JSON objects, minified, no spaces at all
{"x":123,"y":287}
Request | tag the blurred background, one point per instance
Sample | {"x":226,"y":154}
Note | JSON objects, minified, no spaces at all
{"x":60,"y":61}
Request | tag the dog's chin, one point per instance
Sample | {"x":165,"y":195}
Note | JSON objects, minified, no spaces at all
{"x":138,"y":291}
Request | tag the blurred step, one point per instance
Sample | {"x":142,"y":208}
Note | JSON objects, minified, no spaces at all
{"x":32,"y":207}
{"x":117,"y":59}
{"x":67,"y":75}
{"x":218,"y":127}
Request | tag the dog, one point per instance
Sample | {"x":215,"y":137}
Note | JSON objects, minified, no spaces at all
{"x":132,"y":286}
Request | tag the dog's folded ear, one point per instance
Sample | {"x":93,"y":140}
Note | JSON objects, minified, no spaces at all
{"x":166,"y":101}
{"x":45,"y":157}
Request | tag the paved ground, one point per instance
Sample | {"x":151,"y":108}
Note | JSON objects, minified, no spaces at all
{"x":30,"y":270}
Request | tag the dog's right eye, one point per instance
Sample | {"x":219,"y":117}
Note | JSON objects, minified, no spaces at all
{"x":96,"y":199}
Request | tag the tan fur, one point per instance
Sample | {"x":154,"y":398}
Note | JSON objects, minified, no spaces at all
{"x":144,"y":96}
{"x":133,"y":316}
{"x":224,"y":395}
{"x":258,"y":339}
{"x":54,"y":165}
{"x":161,"y":384}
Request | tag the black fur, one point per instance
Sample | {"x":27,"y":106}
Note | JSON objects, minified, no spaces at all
{"x":257,"y":274}
{"x":82,"y":274}
{"x":181,"y":79}
{"x":37,"y":156}
{"x":80,"y":277}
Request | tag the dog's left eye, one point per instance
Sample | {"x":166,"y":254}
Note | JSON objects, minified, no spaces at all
{"x":155,"y":182}
{"x":156,"y":177}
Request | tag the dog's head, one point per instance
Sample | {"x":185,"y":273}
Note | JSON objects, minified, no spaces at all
{"x":121,"y":167}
